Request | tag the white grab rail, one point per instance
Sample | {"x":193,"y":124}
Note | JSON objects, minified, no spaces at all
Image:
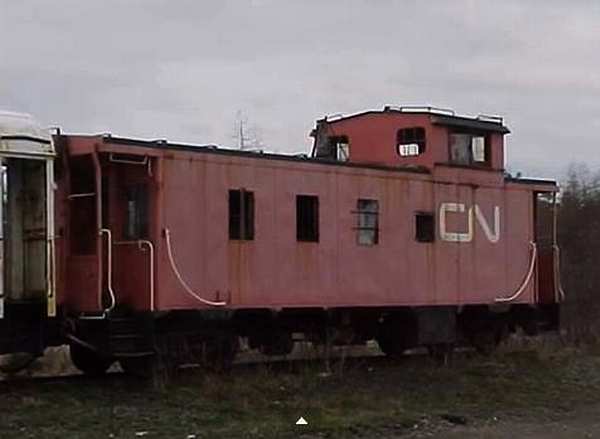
{"x":185,"y":286}
{"x":557,"y":280}
{"x":113,"y":300}
{"x":527,"y":279}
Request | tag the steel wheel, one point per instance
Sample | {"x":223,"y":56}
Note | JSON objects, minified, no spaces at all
{"x":87,"y":361}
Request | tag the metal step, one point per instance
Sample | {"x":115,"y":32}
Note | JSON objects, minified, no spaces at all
{"x":129,"y":336}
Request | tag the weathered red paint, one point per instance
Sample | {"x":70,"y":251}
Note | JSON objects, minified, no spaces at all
{"x":188,"y":196}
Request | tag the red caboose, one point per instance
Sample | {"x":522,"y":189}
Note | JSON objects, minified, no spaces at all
{"x":402,"y":226}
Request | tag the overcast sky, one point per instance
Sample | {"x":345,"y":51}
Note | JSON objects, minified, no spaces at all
{"x":182,"y":69}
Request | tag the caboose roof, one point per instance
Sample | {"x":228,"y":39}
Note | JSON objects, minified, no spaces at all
{"x":22,"y":135}
{"x":439,"y":116}
{"x":23,"y":126}
{"x":158,"y":145}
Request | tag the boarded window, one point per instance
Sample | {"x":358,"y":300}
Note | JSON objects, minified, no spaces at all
{"x":307,"y":218}
{"x":136,"y":223}
{"x":368,"y":222}
{"x":424,"y":227}
{"x":241,"y":215}
{"x":468,"y":149}
{"x":410,"y":141}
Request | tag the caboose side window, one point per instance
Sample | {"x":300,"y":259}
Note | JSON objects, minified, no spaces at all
{"x":307,"y":218}
{"x":335,"y":148}
{"x":342,"y":148}
{"x":136,"y":223}
{"x":469,"y":149}
{"x":478,"y":149}
{"x":368,"y":222}
{"x":410,"y":142}
{"x":424,"y":227}
{"x":241,"y":215}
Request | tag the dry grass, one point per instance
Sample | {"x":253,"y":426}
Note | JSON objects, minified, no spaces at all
{"x":350,"y":397}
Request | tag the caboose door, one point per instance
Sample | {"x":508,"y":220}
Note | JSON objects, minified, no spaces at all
{"x":127,"y":205}
{"x":545,"y":237}
{"x":85,"y":244}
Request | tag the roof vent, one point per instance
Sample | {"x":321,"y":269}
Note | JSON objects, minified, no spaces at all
{"x":418,"y":109}
{"x":334,"y":116}
{"x":488,"y":118}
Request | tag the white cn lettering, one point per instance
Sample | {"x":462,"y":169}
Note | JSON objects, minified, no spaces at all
{"x":492,"y":235}
{"x":454,"y":236}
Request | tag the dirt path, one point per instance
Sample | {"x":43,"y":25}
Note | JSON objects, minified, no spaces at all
{"x":583,"y":423}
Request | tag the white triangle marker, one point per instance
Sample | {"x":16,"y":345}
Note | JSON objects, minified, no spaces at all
{"x":301,"y":421}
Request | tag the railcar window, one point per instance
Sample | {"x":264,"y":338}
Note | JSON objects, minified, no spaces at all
{"x":241,"y":215}
{"x":335,"y":148}
{"x":410,"y":142}
{"x":136,"y":225}
{"x":368,"y":222}
{"x":468,"y":149}
{"x":424,"y":227}
{"x":82,"y":206}
{"x":307,"y":218}
{"x":342,"y":148}
{"x":478,"y":149}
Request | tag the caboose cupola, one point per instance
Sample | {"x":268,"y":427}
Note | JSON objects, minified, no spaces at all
{"x":420,"y":137}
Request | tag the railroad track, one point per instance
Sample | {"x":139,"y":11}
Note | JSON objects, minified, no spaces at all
{"x":341,"y":358}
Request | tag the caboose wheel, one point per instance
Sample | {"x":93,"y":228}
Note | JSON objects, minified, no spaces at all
{"x":279,"y":343}
{"x":396,"y":334}
{"x":221,"y":352}
{"x":391,"y":347}
{"x":87,"y":361}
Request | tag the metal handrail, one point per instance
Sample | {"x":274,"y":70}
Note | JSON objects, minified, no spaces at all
{"x":527,"y":279}
{"x":183,"y":283}
{"x":557,"y":279}
{"x":113,"y":300}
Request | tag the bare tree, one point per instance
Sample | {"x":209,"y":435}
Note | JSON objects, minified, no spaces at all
{"x":246,"y":135}
{"x":579,"y":239}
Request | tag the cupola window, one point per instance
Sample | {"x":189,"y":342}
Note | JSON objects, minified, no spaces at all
{"x":410,"y":142}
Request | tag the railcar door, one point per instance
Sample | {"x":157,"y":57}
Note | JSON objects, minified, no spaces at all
{"x":85,"y":243}
{"x":111,"y":262}
{"x":128,"y":203}
{"x":545,"y":237}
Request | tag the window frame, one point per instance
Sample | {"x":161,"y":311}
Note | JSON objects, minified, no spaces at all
{"x":241,"y":223}
{"x":418,"y":137}
{"x":141,"y":200}
{"x":362,"y":213}
{"x":307,"y":209}
{"x":427,"y":236}
{"x":487,"y":149}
